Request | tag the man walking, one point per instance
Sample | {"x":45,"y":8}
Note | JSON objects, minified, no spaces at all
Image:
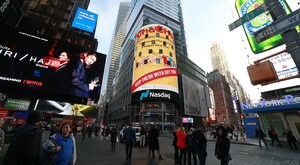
{"x":25,"y":146}
{"x":129,"y":136}
{"x":200,"y":142}
{"x":259,"y":133}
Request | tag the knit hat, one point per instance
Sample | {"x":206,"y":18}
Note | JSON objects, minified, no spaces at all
{"x":34,"y":116}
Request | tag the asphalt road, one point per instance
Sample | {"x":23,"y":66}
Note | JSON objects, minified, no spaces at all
{"x":94,"y":151}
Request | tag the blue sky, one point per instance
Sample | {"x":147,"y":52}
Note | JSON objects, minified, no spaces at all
{"x":205,"y":22}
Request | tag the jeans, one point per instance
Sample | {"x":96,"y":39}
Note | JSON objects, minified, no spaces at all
{"x":142,"y":140}
{"x":202,"y":154}
{"x":190,"y":153}
{"x":129,"y":150}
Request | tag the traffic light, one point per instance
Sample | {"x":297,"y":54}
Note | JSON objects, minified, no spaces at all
{"x":242,"y":116}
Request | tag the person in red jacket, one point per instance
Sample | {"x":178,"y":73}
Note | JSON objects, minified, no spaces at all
{"x":181,"y":144}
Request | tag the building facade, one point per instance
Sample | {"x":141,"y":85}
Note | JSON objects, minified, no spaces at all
{"x":49,"y":19}
{"x":122,"y":107}
{"x":224,"y":110}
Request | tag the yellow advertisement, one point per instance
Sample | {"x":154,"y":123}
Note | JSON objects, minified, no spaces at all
{"x":155,"y":64}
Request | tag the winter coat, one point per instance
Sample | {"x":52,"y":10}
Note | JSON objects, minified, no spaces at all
{"x":25,"y":147}
{"x":113,"y":135}
{"x":153,"y":139}
{"x":222,"y":147}
{"x":259,"y":133}
{"x":67,"y":153}
{"x":181,"y":139}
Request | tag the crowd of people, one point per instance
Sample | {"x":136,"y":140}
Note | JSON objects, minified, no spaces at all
{"x":59,"y":146}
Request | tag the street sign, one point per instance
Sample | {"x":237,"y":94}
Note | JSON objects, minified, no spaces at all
{"x":248,"y":17}
{"x":279,"y":26}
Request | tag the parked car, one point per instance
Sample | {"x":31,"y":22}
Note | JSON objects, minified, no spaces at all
{"x":137,"y":135}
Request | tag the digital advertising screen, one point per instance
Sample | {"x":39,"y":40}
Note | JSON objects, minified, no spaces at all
{"x":188,"y":120}
{"x":50,"y":66}
{"x":194,"y":98}
{"x":243,"y":7}
{"x":85,"y":20}
{"x":155,"y":66}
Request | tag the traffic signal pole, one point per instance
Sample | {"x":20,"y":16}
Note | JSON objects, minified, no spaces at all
{"x":291,"y":37}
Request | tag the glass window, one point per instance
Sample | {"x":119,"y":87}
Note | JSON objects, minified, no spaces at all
{"x":164,"y":43}
{"x":157,"y":34}
{"x":145,"y":61}
{"x":153,"y":42}
{"x":136,"y":65}
{"x":161,"y":51}
{"x":146,"y":36}
{"x":167,"y":37}
{"x":158,"y":61}
{"x":140,"y":54}
{"x":171,"y":54}
{"x":150,"y":51}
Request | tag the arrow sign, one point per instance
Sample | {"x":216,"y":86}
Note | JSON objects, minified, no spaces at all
{"x":279,"y":26}
{"x":248,"y":17}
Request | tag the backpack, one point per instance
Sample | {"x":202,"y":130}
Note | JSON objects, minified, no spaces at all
{"x":198,"y":140}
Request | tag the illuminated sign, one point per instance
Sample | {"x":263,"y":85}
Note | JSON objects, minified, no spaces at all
{"x":155,"y":66}
{"x":187,"y":120}
{"x":244,"y":7}
{"x":288,"y":99}
{"x":17,"y":104}
{"x":284,"y":65}
{"x":85,"y":20}
{"x":49,"y":66}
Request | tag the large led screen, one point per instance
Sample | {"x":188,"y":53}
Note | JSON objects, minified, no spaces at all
{"x":194,"y":98}
{"x":243,"y":7}
{"x":85,"y":20}
{"x":155,"y":66}
{"x":48,"y":65}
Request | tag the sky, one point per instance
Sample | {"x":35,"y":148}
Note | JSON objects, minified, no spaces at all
{"x":205,"y":23}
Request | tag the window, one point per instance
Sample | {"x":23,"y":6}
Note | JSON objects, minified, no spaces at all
{"x":161,"y":51}
{"x":140,"y":54}
{"x":164,"y":43}
{"x":146,"y":36}
{"x":143,"y":44}
{"x":150,"y":51}
{"x":136,"y":65}
{"x":145,"y":61}
{"x":158,"y":61}
{"x":171,"y":54}
{"x":153,"y":42}
{"x":157,"y":34}
{"x":172,"y":47}
{"x":167,"y":37}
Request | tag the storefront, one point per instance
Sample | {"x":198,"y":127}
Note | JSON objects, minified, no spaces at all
{"x":280,"y":113}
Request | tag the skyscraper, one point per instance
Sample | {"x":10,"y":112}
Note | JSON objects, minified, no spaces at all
{"x":122,"y":107}
{"x":116,"y":43}
{"x":50,"y":19}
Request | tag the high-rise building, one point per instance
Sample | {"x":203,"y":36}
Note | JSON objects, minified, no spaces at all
{"x":116,"y":43}
{"x":122,"y":107}
{"x":219,"y":62}
{"x":49,"y":19}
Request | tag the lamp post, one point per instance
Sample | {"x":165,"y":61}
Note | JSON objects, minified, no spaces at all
{"x":141,"y":110}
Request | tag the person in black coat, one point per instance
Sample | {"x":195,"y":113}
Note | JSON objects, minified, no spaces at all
{"x":273,"y":136}
{"x":25,"y":147}
{"x":113,"y":138}
{"x":222,"y":146}
{"x":290,"y":138}
{"x":154,"y":143}
{"x":259,"y":133}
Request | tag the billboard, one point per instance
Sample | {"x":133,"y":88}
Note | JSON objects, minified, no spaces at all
{"x":48,"y":66}
{"x":284,"y":65}
{"x":243,"y":7}
{"x":154,"y":66}
{"x":194,"y":98}
{"x":85,"y":20}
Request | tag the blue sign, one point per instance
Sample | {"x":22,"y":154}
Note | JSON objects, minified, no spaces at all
{"x":85,"y":20}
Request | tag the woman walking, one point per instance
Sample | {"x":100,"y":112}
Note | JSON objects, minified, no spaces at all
{"x":181,"y":144}
{"x":222,"y":146}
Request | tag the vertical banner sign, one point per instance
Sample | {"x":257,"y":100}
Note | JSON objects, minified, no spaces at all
{"x":244,"y":7}
{"x":155,"y":66}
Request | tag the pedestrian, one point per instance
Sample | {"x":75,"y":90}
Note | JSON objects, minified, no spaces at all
{"x":236,"y":133}
{"x":181,"y":144}
{"x":291,"y":139}
{"x":65,"y":139}
{"x":153,"y":141}
{"x":222,"y":146}
{"x":113,"y":138}
{"x":260,"y":135}
{"x":25,"y":147}
{"x":176,"y":149}
{"x":273,"y":136}
{"x":200,"y":143}
{"x":2,"y":134}
{"x":83,"y":132}
{"x":142,"y":136}
{"x":190,"y":148}
{"x":130,"y":139}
